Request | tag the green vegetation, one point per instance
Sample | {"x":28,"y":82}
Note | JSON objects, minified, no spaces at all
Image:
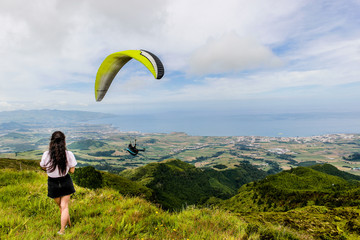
{"x":27,"y":213}
{"x":176,"y":184}
{"x":318,"y":202}
{"x":353,"y":157}
{"x":307,"y":163}
{"x":331,"y":170}
{"x":295,"y":188}
{"x":87,"y":144}
{"x":88,"y":177}
{"x":241,"y":174}
{"x":125,"y":186}
{"x":19,"y":164}
{"x":91,"y":178}
{"x":103,"y":153}
{"x":220,"y":166}
{"x":319,"y":221}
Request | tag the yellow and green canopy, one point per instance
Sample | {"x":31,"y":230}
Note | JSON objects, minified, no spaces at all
{"x":114,"y":62}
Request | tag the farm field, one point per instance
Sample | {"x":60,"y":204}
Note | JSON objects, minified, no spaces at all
{"x":104,"y":147}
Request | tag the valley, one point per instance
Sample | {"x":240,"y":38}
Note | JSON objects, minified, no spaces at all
{"x":103,"y":147}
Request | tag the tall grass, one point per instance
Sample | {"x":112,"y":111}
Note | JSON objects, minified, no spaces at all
{"x":27,"y":213}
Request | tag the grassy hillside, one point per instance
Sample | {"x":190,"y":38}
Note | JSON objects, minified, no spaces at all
{"x":327,"y":206}
{"x":104,"y":213}
{"x":87,"y":144}
{"x":27,"y":213}
{"x":319,"y":221}
{"x":19,"y":164}
{"x":125,"y":186}
{"x":235,"y":177}
{"x":295,"y":188}
{"x":176,"y":184}
{"x":331,"y":170}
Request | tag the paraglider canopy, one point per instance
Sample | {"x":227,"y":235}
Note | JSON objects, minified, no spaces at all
{"x":114,"y":62}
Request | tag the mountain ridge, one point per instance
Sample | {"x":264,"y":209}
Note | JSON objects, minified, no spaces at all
{"x":176,"y":183}
{"x":295,"y":188}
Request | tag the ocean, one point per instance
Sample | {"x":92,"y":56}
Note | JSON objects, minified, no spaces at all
{"x":272,"y":125}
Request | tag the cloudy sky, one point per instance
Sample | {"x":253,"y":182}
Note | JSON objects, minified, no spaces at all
{"x":219,"y":55}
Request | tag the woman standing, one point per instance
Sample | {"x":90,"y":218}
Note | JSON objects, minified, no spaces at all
{"x":58,"y":162}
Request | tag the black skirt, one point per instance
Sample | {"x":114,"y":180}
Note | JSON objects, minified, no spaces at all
{"x":59,"y":187}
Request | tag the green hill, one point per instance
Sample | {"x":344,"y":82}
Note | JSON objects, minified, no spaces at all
{"x":104,"y":213}
{"x":89,"y":177}
{"x":87,"y":144}
{"x":176,"y":184}
{"x":236,"y":177}
{"x":319,"y":221}
{"x":125,"y":186}
{"x":331,"y":170}
{"x":19,"y":164}
{"x":27,"y":213}
{"x":116,"y":182}
{"x":295,"y":188}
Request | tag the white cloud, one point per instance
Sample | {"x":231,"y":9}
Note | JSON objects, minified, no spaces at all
{"x":51,"y":44}
{"x":191,"y":24}
{"x":232,"y":53}
{"x":52,"y":48}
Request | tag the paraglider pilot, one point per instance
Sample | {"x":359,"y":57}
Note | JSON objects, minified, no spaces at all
{"x":133,"y":150}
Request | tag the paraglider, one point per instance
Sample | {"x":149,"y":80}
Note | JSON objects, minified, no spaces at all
{"x":133,"y":150}
{"x":112,"y":65}
{"x":115,"y":61}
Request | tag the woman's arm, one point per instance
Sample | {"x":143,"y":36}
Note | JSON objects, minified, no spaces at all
{"x":72,"y":170}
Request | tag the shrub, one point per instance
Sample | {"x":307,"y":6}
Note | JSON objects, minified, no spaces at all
{"x":88,"y":177}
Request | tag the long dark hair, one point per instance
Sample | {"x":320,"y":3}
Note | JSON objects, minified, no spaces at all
{"x":57,"y":151}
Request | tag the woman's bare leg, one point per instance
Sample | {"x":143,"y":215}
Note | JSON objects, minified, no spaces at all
{"x":58,"y":201}
{"x":63,"y":203}
{"x":65,"y":216}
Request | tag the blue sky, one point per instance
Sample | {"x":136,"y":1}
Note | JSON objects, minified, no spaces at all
{"x":238,"y":56}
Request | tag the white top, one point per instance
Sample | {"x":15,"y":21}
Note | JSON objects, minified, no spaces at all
{"x":71,"y":162}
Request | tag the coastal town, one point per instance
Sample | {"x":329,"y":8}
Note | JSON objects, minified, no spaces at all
{"x":328,"y":138}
